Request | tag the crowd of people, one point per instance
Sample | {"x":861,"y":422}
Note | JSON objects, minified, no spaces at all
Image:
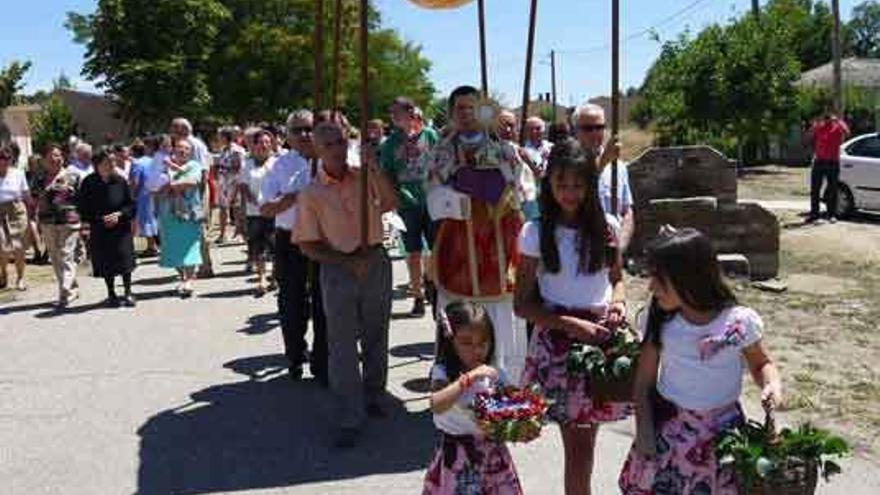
{"x":518,"y":250}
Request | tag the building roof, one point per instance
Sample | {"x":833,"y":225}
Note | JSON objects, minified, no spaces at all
{"x":859,"y":72}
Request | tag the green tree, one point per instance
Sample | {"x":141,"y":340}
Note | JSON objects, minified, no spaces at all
{"x":152,"y":54}
{"x":54,"y":124}
{"x":251,"y":61}
{"x":864,"y":29}
{"x":11,"y":82}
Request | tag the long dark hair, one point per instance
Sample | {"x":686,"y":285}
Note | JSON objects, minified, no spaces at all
{"x":594,"y":251}
{"x":685,"y":260}
{"x":455,"y":316}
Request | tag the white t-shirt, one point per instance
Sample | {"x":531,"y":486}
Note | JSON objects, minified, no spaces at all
{"x":290,"y":173}
{"x":13,"y":186}
{"x":568,"y":288}
{"x":459,"y":419}
{"x":624,"y":194}
{"x":701,"y":367}
{"x":252,"y":176}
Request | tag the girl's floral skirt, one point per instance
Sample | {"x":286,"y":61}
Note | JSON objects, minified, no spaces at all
{"x":468,"y":465}
{"x":686,"y":463}
{"x":568,"y":393}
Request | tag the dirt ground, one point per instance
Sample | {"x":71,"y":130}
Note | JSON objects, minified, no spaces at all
{"x":822,"y":330}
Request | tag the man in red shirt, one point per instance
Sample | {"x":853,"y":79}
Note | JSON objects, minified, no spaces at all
{"x":827,"y":134}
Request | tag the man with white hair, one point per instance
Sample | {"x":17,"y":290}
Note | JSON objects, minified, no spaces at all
{"x":181,"y":128}
{"x":81,"y":165}
{"x":539,"y":147}
{"x":279,"y":197}
{"x":589,"y":125}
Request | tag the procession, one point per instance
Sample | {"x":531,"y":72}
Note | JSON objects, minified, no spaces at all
{"x":521,"y":241}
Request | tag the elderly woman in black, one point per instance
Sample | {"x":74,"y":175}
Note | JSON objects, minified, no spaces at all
{"x":106,"y":204}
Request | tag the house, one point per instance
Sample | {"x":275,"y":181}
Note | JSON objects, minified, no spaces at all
{"x":96,"y":116}
{"x":15,"y":127}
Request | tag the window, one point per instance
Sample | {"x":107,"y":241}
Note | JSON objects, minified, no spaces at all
{"x":867,"y":148}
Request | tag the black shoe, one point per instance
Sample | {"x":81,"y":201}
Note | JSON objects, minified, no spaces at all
{"x":811,"y":218}
{"x":295,"y":373}
{"x":128,"y":301}
{"x":418,"y":309}
{"x":111,"y":302}
{"x":832,"y":219}
{"x":346,"y":438}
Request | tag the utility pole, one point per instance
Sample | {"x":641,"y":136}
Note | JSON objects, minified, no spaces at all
{"x":615,"y":96}
{"x":836,"y":54}
{"x":756,"y":8}
{"x":553,"y":82}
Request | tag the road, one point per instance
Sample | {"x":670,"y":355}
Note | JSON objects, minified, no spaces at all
{"x":191,"y":397}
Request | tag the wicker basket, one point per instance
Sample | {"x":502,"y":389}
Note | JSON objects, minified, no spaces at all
{"x":614,"y":389}
{"x":795,"y":476}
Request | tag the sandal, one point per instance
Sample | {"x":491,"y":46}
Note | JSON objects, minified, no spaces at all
{"x":20,"y":285}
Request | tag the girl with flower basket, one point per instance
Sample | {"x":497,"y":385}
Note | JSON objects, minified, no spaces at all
{"x":689,"y":376}
{"x":570,"y":286}
{"x":468,"y":459}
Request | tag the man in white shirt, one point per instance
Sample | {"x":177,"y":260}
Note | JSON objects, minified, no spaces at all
{"x":589,"y":127}
{"x":81,"y":165}
{"x":291,"y":173}
{"x":535,"y":142}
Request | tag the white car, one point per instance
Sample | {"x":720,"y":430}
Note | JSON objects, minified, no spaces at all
{"x":859,"y":175}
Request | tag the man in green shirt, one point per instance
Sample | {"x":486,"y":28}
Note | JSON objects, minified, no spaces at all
{"x":403,"y":157}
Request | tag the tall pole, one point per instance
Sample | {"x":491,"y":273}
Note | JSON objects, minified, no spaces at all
{"x":836,"y":54}
{"x":484,"y":71}
{"x":756,"y":8}
{"x":337,"y":36}
{"x":553,"y":81}
{"x":615,"y":94}
{"x":527,"y":84}
{"x":319,"y":65}
{"x":365,"y":86}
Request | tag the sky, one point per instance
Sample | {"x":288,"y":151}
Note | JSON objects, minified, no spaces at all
{"x":579,"y":31}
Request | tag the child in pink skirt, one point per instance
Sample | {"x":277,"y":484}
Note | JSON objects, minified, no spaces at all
{"x":690,"y":371}
{"x":464,"y":460}
{"x":570,"y":286}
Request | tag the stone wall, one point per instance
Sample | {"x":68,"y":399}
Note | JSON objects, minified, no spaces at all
{"x":697,"y":187}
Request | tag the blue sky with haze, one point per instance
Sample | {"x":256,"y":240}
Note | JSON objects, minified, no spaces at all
{"x":578,"y":29}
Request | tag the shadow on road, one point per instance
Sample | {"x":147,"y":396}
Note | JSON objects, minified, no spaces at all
{"x":268,"y":432}
{"x":260,"y":324}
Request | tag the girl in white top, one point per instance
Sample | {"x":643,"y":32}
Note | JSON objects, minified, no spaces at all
{"x":260,"y":230}
{"x":690,"y":371}
{"x":570,"y":286}
{"x":14,"y":198}
{"x":464,"y":460}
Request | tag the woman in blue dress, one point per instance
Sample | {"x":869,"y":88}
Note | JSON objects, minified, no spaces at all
{"x":179,"y":204}
{"x":147,"y":224}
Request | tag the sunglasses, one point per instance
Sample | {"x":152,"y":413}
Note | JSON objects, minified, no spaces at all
{"x":591,"y":128}
{"x":301,"y":130}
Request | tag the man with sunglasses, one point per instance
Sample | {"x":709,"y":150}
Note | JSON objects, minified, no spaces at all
{"x":279,"y":194}
{"x":590,"y":130}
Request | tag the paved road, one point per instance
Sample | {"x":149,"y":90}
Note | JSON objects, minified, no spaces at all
{"x":191,"y":397}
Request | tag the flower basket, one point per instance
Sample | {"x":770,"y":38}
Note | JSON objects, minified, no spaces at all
{"x":511,"y":414}
{"x":784,"y":463}
{"x":610,"y":368}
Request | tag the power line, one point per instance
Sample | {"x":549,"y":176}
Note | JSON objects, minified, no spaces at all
{"x":663,"y":22}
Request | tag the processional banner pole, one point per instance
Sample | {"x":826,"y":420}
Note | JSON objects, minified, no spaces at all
{"x":484,"y":71}
{"x":527,"y":84}
{"x":364,"y":35}
{"x":615,"y":96}
{"x":337,"y":35}
{"x":319,"y":65}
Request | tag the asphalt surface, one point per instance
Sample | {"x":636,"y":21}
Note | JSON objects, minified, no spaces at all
{"x":191,"y":396}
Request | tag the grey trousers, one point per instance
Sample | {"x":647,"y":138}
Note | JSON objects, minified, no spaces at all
{"x":357,"y":312}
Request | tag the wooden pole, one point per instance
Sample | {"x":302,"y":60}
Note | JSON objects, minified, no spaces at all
{"x":484,"y":71}
{"x":553,"y":82}
{"x":319,"y":65}
{"x":337,"y":36}
{"x":527,"y":84}
{"x":615,"y":94}
{"x":836,"y":54}
{"x":365,"y":74}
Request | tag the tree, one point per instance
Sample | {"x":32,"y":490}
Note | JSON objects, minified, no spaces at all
{"x":11,"y":82}
{"x":152,"y":54}
{"x":54,"y":124}
{"x":864,"y":30}
{"x":249,"y":61}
